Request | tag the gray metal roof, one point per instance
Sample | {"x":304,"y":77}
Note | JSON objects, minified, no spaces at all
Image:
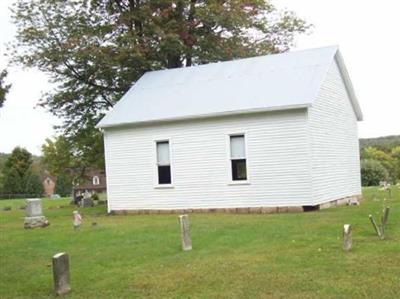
{"x":273,"y":82}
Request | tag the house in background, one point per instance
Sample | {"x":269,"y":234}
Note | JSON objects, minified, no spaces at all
{"x":49,"y":184}
{"x":93,"y":182}
{"x":274,"y":132}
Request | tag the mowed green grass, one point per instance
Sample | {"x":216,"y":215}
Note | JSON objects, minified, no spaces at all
{"x":233,"y":256}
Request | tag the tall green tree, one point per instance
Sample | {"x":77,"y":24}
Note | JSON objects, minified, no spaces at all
{"x":32,"y":184}
{"x":4,"y":87}
{"x":57,"y":155}
{"x":94,"y":50}
{"x":18,"y":177}
{"x":64,"y":184}
{"x":61,"y":157}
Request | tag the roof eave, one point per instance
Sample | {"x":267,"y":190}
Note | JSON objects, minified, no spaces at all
{"x":202,"y":116}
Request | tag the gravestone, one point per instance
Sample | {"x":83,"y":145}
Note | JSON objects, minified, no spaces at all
{"x":347,"y":240}
{"x":87,"y":202}
{"x":34,"y":217}
{"x":61,"y":273}
{"x":185,"y":236}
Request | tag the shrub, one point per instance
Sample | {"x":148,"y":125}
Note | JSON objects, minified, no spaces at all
{"x":386,"y":160}
{"x":373,"y":172}
{"x":95,"y":196}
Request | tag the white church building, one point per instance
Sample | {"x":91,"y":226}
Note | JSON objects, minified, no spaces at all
{"x":263,"y":134}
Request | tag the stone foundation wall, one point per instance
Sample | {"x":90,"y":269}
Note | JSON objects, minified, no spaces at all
{"x":339,"y":202}
{"x":256,"y":210}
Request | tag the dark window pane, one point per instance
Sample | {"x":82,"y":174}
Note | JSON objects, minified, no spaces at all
{"x":164,"y":174}
{"x":239,"y":172}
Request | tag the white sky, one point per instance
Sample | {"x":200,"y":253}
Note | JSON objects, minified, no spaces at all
{"x":367,"y":32}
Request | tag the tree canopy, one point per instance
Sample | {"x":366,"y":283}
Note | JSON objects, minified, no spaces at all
{"x":94,"y":50}
{"x":18,"y":176}
{"x":60,"y":157}
{"x":4,"y":88}
{"x":385,"y":143}
{"x":380,"y":160}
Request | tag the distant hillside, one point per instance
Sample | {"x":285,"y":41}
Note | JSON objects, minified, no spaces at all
{"x":385,"y":143}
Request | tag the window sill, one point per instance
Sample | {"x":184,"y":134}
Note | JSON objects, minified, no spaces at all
{"x":166,"y":186}
{"x":233,"y":183}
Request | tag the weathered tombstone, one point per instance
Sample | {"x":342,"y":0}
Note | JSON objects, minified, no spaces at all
{"x":61,"y":273}
{"x":34,"y":217}
{"x":87,"y":202}
{"x":378,"y":230}
{"x":185,"y":236}
{"x":347,"y":239}
{"x":385,"y":216}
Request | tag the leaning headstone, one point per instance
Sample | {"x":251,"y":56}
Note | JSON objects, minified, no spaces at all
{"x":34,"y":217}
{"x":61,"y":273}
{"x":185,"y":236}
{"x":347,"y":240}
{"x":378,"y":230}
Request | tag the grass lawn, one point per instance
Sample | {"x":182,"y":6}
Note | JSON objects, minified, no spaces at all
{"x":233,"y":256}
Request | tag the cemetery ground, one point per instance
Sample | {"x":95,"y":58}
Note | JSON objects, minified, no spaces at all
{"x":234,"y":255}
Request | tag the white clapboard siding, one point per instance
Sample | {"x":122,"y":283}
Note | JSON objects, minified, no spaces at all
{"x":277,"y":159}
{"x":334,"y":141}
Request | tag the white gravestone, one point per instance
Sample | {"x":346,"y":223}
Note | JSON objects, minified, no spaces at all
{"x":34,"y":215}
{"x":347,"y":239}
{"x":185,"y":236}
{"x":34,"y":207}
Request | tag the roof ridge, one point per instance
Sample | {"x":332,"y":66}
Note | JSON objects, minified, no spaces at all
{"x":297,"y":51}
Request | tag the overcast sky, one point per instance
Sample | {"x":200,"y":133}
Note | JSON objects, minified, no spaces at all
{"x":367,"y":33}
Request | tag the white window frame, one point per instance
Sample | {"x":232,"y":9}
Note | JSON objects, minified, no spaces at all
{"x":155,"y":163}
{"x":229,"y":160}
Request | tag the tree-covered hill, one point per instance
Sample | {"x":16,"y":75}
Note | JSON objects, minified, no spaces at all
{"x":380,"y":160}
{"x":385,"y":143}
